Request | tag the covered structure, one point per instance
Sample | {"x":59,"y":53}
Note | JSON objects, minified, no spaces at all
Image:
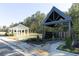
{"x":54,"y":19}
{"x":19,"y":30}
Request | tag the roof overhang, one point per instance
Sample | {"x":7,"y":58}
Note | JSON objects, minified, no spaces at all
{"x":60,"y":13}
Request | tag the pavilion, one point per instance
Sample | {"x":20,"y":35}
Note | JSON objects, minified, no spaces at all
{"x":19,"y":30}
{"x":53,"y":19}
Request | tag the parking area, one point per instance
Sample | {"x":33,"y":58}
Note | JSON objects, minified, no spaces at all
{"x":18,"y":48}
{"x":5,"y":50}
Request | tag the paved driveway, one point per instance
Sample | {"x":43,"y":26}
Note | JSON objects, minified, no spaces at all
{"x":5,"y":50}
{"x":8,"y":49}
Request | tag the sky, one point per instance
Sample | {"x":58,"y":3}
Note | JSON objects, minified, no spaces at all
{"x":17,"y":12}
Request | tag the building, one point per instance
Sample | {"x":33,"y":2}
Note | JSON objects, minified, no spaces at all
{"x":19,"y":30}
{"x":55,"y":19}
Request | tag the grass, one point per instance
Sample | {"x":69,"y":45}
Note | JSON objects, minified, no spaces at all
{"x":33,"y":41}
{"x":73,"y":50}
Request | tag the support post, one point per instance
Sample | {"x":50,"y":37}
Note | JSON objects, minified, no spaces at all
{"x":43,"y":33}
{"x":69,"y":28}
{"x":28,"y":30}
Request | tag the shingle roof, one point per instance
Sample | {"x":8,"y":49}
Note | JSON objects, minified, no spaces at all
{"x":19,"y":26}
{"x":55,"y":15}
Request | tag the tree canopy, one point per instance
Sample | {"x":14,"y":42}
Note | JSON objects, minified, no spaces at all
{"x":74,"y":13}
{"x":34,"y":22}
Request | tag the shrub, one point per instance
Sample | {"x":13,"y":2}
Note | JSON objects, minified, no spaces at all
{"x":68,"y":42}
{"x":6,"y":34}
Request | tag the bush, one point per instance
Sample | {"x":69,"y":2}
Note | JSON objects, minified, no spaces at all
{"x":6,"y":34}
{"x":9,"y":34}
{"x":34,"y":40}
{"x":68,"y":42}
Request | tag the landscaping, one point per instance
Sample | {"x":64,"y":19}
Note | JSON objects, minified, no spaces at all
{"x":33,"y":41}
{"x":68,"y":47}
{"x":73,"y":50}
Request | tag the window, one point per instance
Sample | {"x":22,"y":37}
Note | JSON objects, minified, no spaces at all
{"x":23,"y":31}
{"x":14,"y":30}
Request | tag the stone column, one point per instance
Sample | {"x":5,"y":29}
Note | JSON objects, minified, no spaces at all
{"x":27,"y":31}
{"x":69,"y":28}
{"x":12,"y":31}
{"x":9,"y":31}
{"x":17,"y":32}
{"x":43,"y":34}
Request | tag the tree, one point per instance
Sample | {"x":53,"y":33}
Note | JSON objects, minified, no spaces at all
{"x":13,"y":24}
{"x":27,"y":21}
{"x":34,"y":22}
{"x":74,"y":13}
{"x":4,"y":28}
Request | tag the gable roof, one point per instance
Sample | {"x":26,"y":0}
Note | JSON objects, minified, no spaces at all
{"x":19,"y":26}
{"x":55,"y":16}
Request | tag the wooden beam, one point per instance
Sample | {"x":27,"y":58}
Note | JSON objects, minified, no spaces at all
{"x":53,"y":15}
{"x":57,"y":17}
{"x":50,"y":19}
{"x":56,"y":22}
